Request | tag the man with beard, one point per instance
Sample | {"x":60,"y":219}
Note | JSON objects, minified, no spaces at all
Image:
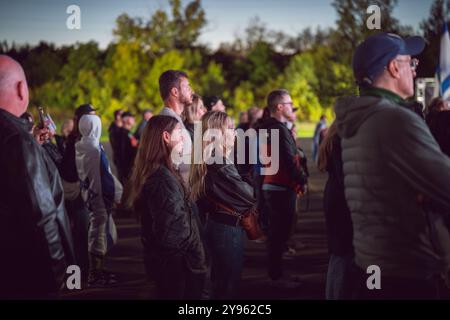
{"x":177,"y":94}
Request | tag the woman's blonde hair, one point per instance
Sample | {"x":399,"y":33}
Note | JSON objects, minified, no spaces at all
{"x":191,"y":111}
{"x":210,"y":120}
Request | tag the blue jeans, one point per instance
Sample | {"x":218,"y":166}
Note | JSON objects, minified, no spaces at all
{"x":339,"y":277}
{"x":225,"y":245}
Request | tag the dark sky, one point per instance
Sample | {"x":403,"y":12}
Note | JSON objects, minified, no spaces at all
{"x":34,"y":20}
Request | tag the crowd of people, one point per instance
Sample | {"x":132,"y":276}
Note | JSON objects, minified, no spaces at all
{"x":191,"y":213}
{"x":386,"y":201}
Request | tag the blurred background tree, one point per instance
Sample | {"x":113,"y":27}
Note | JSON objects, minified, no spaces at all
{"x":314,"y":65}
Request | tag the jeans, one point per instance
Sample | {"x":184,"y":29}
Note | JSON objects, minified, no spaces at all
{"x":225,"y":245}
{"x":281,"y":209}
{"x":315,"y":150}
{"x":339,"y":277}
{"x":262,"y":209}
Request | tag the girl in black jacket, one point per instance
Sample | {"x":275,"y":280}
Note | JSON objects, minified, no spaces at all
{"x":174,"y":254}
{"x":219,"y":189}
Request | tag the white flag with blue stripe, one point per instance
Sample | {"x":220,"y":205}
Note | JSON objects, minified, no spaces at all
{"x":444,"y":64}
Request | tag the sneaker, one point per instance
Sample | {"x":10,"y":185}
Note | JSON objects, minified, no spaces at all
{"x":98,"y":279}
{"x":286,"y":283}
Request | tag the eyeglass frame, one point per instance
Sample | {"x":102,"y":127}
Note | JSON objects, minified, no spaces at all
{"x":413,"y":63}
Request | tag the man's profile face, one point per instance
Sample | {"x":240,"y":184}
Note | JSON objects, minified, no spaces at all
{"x":287,"y":106}
{"x":185,"y":92}
{"x":406,"y":79}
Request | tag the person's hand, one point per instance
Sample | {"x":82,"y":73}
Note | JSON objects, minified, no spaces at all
{"x":41,"y":134}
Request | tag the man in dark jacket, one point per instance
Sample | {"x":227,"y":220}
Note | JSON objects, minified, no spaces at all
{"x":391,"y":162}
{"x":114,"y":130}
{"x":126,"y":147}
{"x":35,"y":242}
{"x":280,"y":188}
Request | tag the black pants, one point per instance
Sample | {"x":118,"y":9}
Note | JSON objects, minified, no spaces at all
{"x":79,"y":221}
{"x":280,"y":206}
{"x":174,"y":281}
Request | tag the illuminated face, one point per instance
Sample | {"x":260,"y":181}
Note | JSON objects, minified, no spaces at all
{"x":176,"y":139}
{"x":185,"y":92}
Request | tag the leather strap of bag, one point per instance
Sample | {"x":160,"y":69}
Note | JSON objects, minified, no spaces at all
{"x":225,"y":208}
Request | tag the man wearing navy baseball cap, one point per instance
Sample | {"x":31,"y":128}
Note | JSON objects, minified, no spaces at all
{"x":390,"y":162}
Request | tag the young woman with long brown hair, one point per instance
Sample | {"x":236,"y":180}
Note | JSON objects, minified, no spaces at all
{"x":174,"y":254}
{"x":218,"y":188}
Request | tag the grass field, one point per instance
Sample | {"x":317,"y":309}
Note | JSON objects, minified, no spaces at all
{"x":305,"y":129}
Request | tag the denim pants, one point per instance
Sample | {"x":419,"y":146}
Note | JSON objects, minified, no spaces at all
{"x":339,"y":277}
{"x":225,"y":245}
{"x":281,"y":209}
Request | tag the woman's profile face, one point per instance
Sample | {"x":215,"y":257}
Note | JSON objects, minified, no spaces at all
{"x":201,"y":110}
{"x":176,"y":139}
{"x":230,"y":136}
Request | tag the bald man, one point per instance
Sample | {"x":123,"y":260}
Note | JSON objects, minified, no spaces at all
{"x":35,"y":240}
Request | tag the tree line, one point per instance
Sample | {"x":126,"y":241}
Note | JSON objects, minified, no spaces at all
{"x":314,"y":65}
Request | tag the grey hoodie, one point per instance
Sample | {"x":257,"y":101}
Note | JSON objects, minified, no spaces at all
{"x":389,"y":159}
{"x":100,"y":189}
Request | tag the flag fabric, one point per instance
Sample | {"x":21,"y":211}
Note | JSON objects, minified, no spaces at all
{"x":444,"y":65}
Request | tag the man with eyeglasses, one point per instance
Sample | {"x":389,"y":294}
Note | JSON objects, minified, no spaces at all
{"x":391,"y":162}
{"x":280,"y":189}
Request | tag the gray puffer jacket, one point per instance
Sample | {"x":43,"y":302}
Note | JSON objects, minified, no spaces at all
{"x":390,"y":158}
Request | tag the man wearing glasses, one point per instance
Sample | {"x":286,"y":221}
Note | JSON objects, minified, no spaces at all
{"x":391,"y":163}
{"x":279,"y":190}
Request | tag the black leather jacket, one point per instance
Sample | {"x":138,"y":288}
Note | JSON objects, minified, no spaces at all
{"x":169,"y":228}
{"x":223,"y":184}
{"x":35,"y":239}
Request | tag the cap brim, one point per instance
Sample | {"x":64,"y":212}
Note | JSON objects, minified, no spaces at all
{"x":413,"y":46}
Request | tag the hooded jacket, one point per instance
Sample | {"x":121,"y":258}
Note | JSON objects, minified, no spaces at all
{"x":99,"y":187}
{"x":389,"y":159}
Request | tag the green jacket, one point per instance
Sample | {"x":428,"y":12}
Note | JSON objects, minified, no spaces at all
{"x":389,"y":158}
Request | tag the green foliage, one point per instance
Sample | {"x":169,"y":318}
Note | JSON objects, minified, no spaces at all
{"x":315,"y":66}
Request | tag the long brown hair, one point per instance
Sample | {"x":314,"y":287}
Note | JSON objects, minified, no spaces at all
{"x":326,"y":147}
{"x":210,"y":120}
{"x":151,"y":155}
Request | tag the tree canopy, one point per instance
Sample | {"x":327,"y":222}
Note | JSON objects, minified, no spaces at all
{"x":314,"y":65}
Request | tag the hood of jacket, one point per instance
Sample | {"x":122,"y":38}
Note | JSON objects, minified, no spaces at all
{"x":90,"y":127}
{"x":351,"y":112}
